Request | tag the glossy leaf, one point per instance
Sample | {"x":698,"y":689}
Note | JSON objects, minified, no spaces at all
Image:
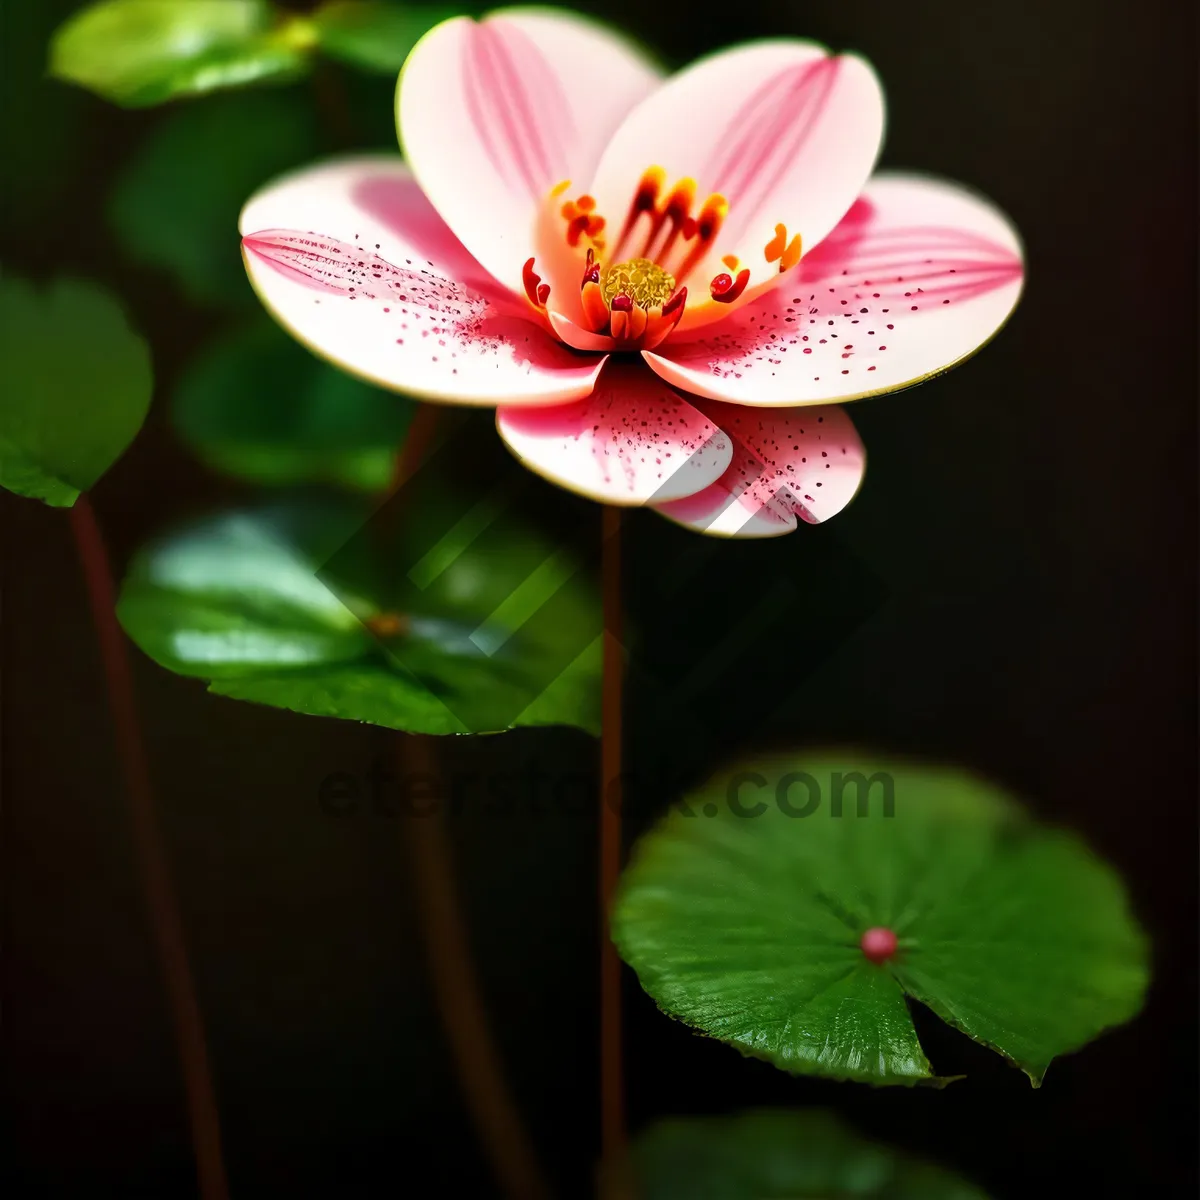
{"x":743,"y":913}
{"x":374,"y":34}
{"x":143,"y":52}
{"x":780,"y":1154}
{"x":76,"y":382}
{"x":175,"y":206}
{"x":313,"y":608}
{"x":257,"y":405}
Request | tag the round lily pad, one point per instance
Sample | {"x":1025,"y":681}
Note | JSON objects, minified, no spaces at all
{"x":452,"y":623}
{"x":780,"y":1154}
{"x":76,"y":381}
{"x":258,"y":405}
{"x":794,"y":907}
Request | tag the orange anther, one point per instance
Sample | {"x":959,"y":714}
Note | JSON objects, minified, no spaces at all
{"x":712,"y":215}
{"x":576,"y":229}
{"x":791,"y":256}
{"x":775,"y":247}
{"x":586,"y":203}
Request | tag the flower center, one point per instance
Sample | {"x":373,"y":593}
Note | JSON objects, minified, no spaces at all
{"x":636,"y":274}
{"x":643,"y":281}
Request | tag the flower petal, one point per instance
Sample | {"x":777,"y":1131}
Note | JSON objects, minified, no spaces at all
{"x":919,"y":275}
{"x":354,"y":262}
{"x":786,"y":133}
{"x":632,"y":441}
{"x":786,"y":464}
{"x":494,"y":113}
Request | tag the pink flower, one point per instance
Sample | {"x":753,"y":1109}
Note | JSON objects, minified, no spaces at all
{"x":665,"y":288}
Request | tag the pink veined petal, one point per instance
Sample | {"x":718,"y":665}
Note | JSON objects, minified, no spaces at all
{"x":355,"y":263}
{"x":918,"y":276}
{"x":495,"y":113}
{"x":632,"y":441}
{"x":785,"y":132}
{"x":805,"y":463}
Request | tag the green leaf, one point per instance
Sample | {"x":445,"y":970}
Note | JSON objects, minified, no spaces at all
{"x":76,"y":382}
{"x":780,"y":1154}
{"x":175,"y":206}
{"x":313,"y":608}
{"x":259,"y":406}
{"x":142,"y":52}
{"x":372,"y":34}
{"x":743,"y":912}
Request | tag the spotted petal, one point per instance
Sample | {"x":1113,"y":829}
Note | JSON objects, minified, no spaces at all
{"x":786,"y":133}
{"x":494,"y":113}
{"x":632,"y":441}
{"x":918,"y":276}
{"x":353,"y":260}
{"x":786,"y":464}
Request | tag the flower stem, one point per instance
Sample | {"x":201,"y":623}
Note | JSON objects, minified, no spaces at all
{"x":612,"y":1092}
{"x":481,"y":1074}
{"x":151,"y":855}
{"x":464,"y":1017}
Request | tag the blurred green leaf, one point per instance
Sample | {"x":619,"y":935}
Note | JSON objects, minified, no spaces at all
{"x":176,"y":204}
{"x":777,"y":1154}
{"x":76,"y":382}
{"x":142,"y":52}
{"x":374,"y":34}
{"x":748,"y":926}
{"x":306,"y":606}
{"x":259,"y":406}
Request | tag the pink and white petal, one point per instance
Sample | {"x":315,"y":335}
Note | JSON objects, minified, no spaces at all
{"x":787,"y":133}
{"x":786,"y":464}
{"x":355,"y":263}
{"x":632,"y":441}
{"x":810,"y":460}
{"x":494,"y":113}
{"x":726,"y":509}
{"x":919,"y":275}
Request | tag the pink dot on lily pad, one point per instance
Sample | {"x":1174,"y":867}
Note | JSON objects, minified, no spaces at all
{"x":878,"y":944}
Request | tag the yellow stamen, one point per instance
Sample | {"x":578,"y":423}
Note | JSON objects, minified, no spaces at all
{"x":644,"y":282}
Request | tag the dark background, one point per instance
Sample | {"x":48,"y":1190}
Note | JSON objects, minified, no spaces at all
{"x":1014,"y":589}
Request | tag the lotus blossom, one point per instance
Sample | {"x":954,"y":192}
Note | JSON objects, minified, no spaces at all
{"x":665,"y":288}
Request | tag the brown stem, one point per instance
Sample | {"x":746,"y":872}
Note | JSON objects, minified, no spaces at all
{"x":334,"y":105}
{"x":417,"y":441}
{"x":464,"y":1017}
{"x":151,"y":857}
{"x":480,"y":1072}
{"x":612,"y":1091}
